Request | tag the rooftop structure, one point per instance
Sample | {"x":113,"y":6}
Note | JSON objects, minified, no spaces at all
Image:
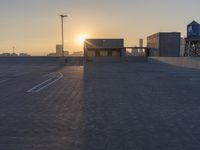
{"x":193,"y":30}
{"x":164,"y":44}
{"x":192,"y":42}
{"x":104,"y":49}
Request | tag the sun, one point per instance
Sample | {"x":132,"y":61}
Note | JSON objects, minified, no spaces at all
{"x":82,"y":38}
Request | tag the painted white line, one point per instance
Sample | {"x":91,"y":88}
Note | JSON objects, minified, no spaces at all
{"x":44,"y":84}
{"x":47,"y":85}
{"x":35,"y":87}
{"x":46,"y":75}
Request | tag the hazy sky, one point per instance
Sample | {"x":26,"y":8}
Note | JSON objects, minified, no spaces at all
{"x":33,"y":26}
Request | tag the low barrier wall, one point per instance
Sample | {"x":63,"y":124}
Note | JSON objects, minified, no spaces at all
{"x":41,"y":59}
{"x":69,"y":60}
{"x":190,"y":62}
{"x":30,"y":59}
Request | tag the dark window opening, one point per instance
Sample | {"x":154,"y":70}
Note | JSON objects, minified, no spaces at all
{"x":109,"y":53}
{"x":97,"y":53}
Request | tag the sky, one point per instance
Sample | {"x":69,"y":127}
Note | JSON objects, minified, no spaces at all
{"x":34,"y":26}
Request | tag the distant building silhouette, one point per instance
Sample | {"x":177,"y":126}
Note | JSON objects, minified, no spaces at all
{"x":138,"y":52}
{"x":141,"y":42}
{"x":5,"y":54}
{"x":66,"y":53}
{"x":59,"y":50}
{"x":51,"y":54}
{"x":9,"y":54}
{"x":13,"y":54}
{"x":23,"y":54}
{"x":80,"y":53}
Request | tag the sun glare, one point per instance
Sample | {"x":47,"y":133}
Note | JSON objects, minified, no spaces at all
{"x":82,"y":38}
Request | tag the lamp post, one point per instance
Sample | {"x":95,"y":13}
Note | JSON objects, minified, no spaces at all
{"x":62,"y":28}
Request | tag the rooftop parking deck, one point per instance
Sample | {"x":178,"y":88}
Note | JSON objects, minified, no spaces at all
{"x":106,"y":106}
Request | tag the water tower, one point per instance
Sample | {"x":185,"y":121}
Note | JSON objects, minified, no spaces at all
{"x":192,"y":42}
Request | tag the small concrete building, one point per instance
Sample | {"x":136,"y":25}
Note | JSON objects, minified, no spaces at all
{"x":164,"y":44}
{"x":104,"y":49}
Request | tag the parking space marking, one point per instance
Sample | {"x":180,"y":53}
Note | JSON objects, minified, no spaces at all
{"x":46,"y":75}
{"x":45,"y":84}
{"x":35,"y":87}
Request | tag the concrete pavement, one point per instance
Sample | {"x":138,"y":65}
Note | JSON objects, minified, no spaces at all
{"x":112,"y":106}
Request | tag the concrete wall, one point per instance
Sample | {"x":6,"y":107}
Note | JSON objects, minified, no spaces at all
{"x":74,"y":60}
{"x":30,"y":59}
{"x":165,"y":44}
{"x":42,"y":60}
{"x":153,"y":44}
{"x":104,"y":43}
{"x":169,"y":45}
{"x":189,"y":62}
{"x":69,"y":60}
{"x":134,"y":59}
